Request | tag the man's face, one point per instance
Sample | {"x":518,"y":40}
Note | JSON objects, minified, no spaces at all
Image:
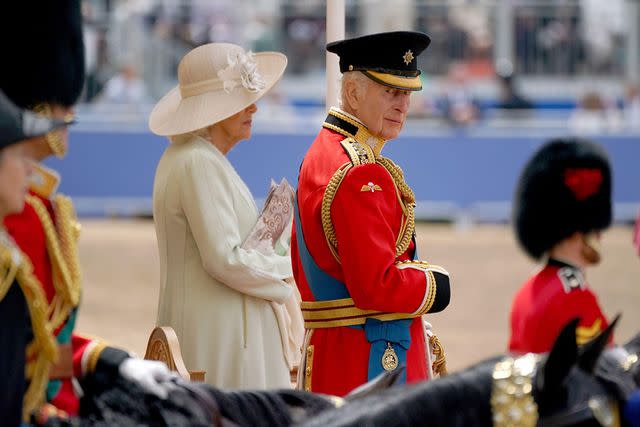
{"x":383,"y":109}
{"x":15,"y":168}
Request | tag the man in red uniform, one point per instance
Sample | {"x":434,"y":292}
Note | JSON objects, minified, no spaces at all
{"x":562,"y":203}
{"x":46,"y":74}
{"x":353,"y":252}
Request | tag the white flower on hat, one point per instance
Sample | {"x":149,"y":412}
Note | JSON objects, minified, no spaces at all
{"x":242,"y":69}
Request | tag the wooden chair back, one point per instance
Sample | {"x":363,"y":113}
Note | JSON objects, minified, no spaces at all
{"x":163,"y":345}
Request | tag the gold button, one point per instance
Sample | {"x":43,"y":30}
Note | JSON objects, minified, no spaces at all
{"x":308,"y":371}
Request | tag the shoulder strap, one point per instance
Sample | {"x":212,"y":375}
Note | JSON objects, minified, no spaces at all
{"x":359,"y":154}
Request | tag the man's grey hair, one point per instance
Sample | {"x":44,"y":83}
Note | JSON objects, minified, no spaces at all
{"x":356,"y":77}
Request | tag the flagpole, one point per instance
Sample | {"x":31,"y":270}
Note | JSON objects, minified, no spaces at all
{"x":335,"y":31}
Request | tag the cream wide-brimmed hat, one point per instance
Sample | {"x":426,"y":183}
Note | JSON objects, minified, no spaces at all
{"x":216,"y":81}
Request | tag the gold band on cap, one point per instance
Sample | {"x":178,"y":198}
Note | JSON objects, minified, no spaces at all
{"x":394,"y":81}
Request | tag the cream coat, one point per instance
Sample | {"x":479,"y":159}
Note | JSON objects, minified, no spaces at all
{"x":225,"y":303}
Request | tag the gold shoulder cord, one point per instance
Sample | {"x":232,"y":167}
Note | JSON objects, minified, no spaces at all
{"x":62,"y":248}
{"x":327,"y":200}
{"x":43,"y":349}
{"x":359,"y":154}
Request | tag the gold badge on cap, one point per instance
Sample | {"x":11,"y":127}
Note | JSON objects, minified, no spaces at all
{"x":408,"y":57}
{"x":389,"y":359}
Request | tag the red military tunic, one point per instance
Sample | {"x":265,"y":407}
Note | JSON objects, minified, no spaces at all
{"x":28,"y":229}
{"x":547,"y":302}
{"x":368,"y":221}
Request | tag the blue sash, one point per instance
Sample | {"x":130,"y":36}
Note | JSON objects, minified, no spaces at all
{"x":378,"y":333}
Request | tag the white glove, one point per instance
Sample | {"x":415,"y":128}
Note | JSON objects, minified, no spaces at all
{"x":148,"y":374}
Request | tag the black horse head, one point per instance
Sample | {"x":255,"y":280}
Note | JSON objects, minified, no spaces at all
{"x":570,"y":386}
{"x":566,"y":390}
{"x":556,"y":390}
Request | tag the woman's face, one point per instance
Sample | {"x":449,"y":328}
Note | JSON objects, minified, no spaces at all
{"x":237,"y":127}
{"x":15,"y":168}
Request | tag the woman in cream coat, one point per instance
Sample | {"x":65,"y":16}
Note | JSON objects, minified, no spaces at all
{"x":234,"y":310}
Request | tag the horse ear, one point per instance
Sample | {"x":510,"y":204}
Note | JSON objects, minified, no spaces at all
{"x":591,"y":351}
{"x":561,"y":358}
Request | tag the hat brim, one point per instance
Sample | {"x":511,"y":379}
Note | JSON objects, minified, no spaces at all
{"x":397,"y":82}
{"x":173,"y":115}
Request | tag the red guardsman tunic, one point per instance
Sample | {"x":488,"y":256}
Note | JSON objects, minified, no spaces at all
{"x":547,"y":302}
{"x":359,"y":240}
{"x":46,"y":232}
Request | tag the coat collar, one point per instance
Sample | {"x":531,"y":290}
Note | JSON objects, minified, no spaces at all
{"x":350,"y":127}
{"x":44,"y":181}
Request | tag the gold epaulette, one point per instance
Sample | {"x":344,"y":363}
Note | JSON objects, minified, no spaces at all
{"x":360,"y":154}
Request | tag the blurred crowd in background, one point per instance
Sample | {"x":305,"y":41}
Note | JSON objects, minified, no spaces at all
{"x":575,"y":59}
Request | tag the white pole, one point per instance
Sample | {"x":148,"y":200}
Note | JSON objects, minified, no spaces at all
{"x":335,"y":31}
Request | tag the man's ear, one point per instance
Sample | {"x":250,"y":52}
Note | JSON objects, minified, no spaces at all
{"x":351,"y":94}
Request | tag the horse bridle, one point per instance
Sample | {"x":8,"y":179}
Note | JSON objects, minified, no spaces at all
{"x":512,"y":402}
{"x":602,"y":409}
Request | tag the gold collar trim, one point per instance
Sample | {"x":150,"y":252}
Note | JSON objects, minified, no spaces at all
{"x":349,"y":126}
{"x":44,"y":181}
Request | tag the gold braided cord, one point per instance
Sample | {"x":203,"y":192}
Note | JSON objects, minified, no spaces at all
{"x":405,"y":197}
{"x":325,"y":211}
{"x":408,"y":201}
{"x":8,"y":271}
{"x":43,"y":348}
{"x":61,"y":246}
{"x":404,"y":239}
{"x":440,"y":364}
{"x":68,"y":234}
{"x":398,"y":178}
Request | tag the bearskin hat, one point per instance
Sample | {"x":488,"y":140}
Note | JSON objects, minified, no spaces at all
{"x":44,"y":52}
{"x":564,"y":188}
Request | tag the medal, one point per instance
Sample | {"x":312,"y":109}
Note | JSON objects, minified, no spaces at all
{"x":389,"y":358}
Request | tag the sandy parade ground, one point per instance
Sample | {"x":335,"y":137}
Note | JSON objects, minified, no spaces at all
{"x":121,"y":282}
